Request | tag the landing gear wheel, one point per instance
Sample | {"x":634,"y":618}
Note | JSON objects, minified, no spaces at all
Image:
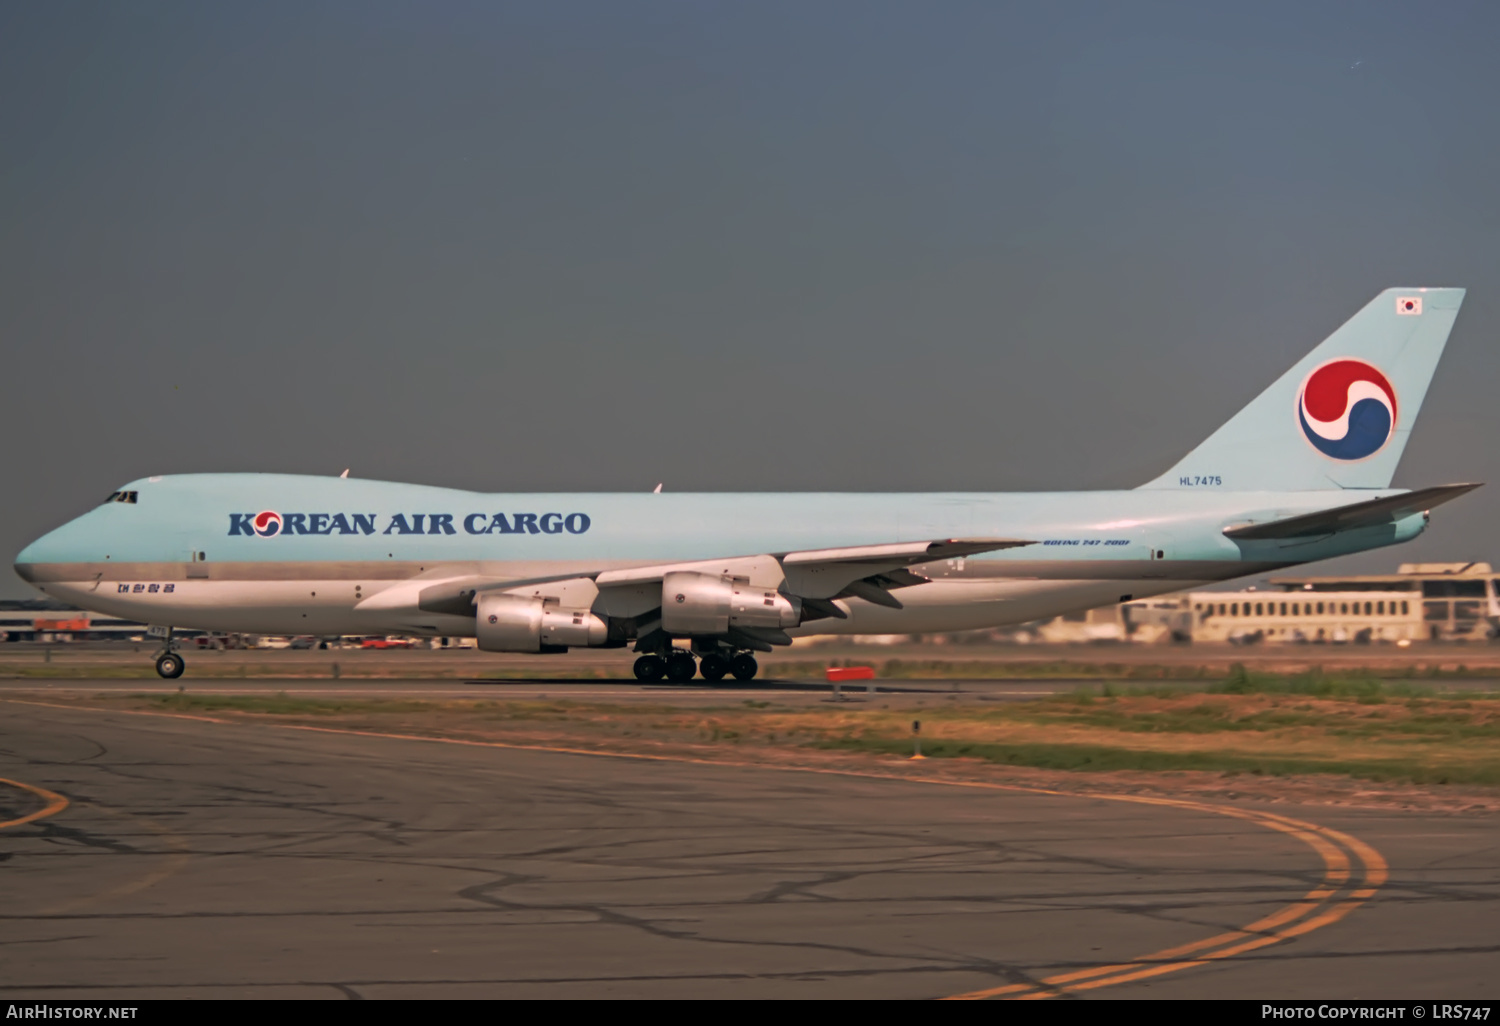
{"x":744,"y":666}
{"x":681,"y":668}
{"x":713,"y":667}
{"x":169,"y":665}
{"x":650,"y":668}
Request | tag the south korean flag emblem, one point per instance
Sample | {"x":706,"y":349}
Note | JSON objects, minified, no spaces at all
{"x":1409,"y":306}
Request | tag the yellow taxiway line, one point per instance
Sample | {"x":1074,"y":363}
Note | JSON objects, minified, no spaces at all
{"x":55,"y":803}
{"x":1324,"y":905}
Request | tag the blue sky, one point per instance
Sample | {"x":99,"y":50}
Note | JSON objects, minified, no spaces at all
{"x":848,"y":246}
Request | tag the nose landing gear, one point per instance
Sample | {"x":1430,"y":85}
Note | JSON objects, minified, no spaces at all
{"x":169,"y":663}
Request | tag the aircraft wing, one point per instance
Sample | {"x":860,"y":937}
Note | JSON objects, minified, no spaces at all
{"x":870,"y":572}
{"x":819,"y":575}
{"x":910,"y":552}
{"x":1372,"y":513}
{"x":897,"y":554}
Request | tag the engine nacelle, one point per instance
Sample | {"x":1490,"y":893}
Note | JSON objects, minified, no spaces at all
{"x":697,"y":604}
{"x":517,"y":623}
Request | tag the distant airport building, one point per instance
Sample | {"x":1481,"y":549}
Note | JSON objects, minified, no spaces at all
{"x":1420,"y":602}
{"x":44,"y":620}
{"x":1459,"y":601}
{"x":1306,"y":616}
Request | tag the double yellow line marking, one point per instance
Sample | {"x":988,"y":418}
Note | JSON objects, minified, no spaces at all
{"x":55,"y":803}
{"x":1337,"y":894}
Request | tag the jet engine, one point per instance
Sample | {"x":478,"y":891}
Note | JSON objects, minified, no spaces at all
{"x":517,"y":623}
{"x":699,"y":604}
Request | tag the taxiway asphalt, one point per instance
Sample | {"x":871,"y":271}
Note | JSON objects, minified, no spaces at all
{"x":202,"y":859}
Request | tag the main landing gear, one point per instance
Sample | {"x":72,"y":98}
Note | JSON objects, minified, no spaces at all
{"x":650,"y":668}
{"x":679,"y":667}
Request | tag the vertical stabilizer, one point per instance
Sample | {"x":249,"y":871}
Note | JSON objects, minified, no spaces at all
{"x":1340,"y":418}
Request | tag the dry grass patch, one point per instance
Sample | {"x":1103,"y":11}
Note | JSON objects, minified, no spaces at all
{"x":1353,"y":728}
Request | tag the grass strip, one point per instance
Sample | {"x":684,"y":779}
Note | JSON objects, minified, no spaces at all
{"x":1254,"y":724}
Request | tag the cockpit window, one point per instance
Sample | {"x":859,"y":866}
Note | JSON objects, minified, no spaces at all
{"x":122,"y":497}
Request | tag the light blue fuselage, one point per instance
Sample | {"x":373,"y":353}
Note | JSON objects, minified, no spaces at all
{"x":342,"y":541}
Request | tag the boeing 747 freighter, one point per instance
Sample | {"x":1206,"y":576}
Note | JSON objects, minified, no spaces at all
{"x":699,"y":583}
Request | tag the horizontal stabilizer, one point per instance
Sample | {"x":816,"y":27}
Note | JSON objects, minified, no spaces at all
{"x":1346,"y":518}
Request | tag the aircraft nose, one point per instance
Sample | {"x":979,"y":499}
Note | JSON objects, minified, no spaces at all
{"x":49,"y":548}
{"x":26,"y":561}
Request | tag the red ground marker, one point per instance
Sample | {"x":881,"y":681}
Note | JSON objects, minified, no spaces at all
{"x":836,"y":673}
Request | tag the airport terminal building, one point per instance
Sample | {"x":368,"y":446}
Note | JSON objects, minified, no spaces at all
{"x":1420,"y":602}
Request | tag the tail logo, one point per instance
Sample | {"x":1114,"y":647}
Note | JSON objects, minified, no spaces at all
{"x":1347,"y":409}
{"x":267,"y":524}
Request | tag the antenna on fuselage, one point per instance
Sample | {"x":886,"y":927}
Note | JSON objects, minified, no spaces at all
{"x":657,"y":489}
{"x":345,"y":473}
